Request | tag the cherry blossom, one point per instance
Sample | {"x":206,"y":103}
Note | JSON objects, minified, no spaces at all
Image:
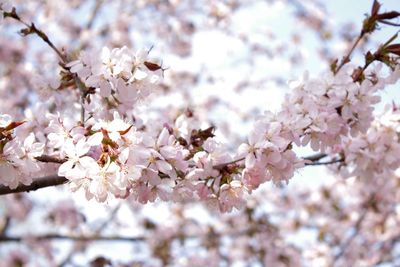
{"x":84,"y":106}
{"x":77,"y":163}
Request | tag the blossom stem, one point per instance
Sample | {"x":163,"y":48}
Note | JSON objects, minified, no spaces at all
{"x":346,"y":58}
{"x":82,"y":89}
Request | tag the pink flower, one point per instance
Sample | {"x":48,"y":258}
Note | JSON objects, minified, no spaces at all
{"x":231,"y":196}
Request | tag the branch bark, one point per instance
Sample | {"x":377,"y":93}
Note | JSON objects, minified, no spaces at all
{"x":46,"y":181}
{"x":68,"y":237}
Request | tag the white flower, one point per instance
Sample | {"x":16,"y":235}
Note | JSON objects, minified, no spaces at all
{"x":77,"y":164}
{"x":105,"y":180}
{"x":9,"y":174}
{"x":17,"y":163}
{"x":114,"y":129}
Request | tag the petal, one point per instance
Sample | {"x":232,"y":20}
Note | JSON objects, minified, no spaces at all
{"x":250,"y":160}
{"x":243,"y":150}
{"x":163,"y":166}
{"x":168,"y":152}
{"x":140,"y":75}
{"x":69,"y":148}
{"x":96,"y":139}
{"x":65,"y":167}
{"x":274,"y":157}
{"x":154,"y":180}
{"x":105,"y":89}
{"x":163,"y":137}
{"x":88,"y":163}
{"x":115,"y":136}
{"x":82,"y":147}
{"x":29,"y":141}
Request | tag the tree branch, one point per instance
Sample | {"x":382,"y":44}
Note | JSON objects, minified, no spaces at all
{"x":316,"y":157}
{"x":46,"y":158}
{"x":38,"y":183}
{"x":70,"y":237}
{"x":54,"y":180}
{"x":94,"y":14}
{"x":343,"y":247}
{"x":31,"y":28}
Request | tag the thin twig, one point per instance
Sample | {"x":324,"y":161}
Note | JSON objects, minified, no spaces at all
{"x":318,"y":163}
{"x":94,"y":14}
{"x":82,"y":89}
{"x":316,"y":157}
{"x":110,"y":219}
{"x":347,"y":243}
{"x":33,"y":29}
{"x":346,"y":58}
{"x":223,"y":165}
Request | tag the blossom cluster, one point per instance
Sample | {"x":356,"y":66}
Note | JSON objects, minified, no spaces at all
{"x":322,"y":112}
{"x":120,"y":77}
{"x":17,"y":155}
{"x":110,"y":153}
{"x":375,"y":152}
{"x":113,"y":157}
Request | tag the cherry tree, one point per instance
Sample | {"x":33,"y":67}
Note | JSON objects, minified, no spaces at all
{"x":121,"y":129}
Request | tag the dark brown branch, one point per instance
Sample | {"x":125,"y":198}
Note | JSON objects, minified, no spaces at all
{"x":73,"y":238}
{"x":312,"y":158}
{"x":54,"y":180}
{"x":46,"y":181}
{"x":50,"y":159}
{"x":96,"y":237}
{"x":223,"y":165}
{"x":94,"y":14}
{"x":318,"y":163}
{"x":390,"y":23}
{"x":316,"y":157}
